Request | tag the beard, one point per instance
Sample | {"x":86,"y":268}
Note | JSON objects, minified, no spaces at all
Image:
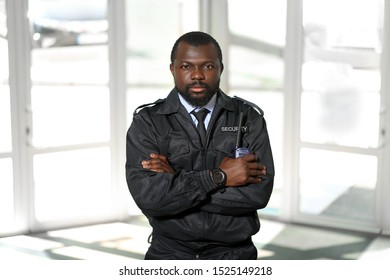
{"x":201,"y":100}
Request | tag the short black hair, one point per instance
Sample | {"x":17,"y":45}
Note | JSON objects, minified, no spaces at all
{"x":196,"y":38}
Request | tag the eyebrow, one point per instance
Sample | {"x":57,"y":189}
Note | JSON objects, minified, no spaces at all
{"x":205,"y":62}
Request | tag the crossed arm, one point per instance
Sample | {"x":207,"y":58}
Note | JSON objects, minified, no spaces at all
{"x":161,"y":191}
{"x":239,"y":171}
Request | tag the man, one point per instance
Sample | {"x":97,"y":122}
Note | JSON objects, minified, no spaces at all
{"x":200,"y":199}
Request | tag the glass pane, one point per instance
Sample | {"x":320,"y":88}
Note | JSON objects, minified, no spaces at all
{"x":73,"y":184}
{"x":337,"y":184}
{"x":80,"y":65}
{"x":70,"y":115}
{"x":6,"y":194}
{"x":339,"y":117}
{"x":251,"y":68}
{"x":341,"y":72}
{"x":264,"y":20}
{"x":150,"y":38}
{"x":5,"y":120}
{"x":70,"y":41}
{"x":257,"y":42}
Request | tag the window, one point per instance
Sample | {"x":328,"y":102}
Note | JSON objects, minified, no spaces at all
{"x":70,"y":103}
{"x":340,"y":109}
{"x":256,"y":70}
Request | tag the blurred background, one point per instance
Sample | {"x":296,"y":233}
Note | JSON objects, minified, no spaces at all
{"x":73,"y":71}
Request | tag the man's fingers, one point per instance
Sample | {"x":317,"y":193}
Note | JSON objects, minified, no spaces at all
{"x":256,"y":166}
{"x":156,"y":159}
{"x":254,"y":180}
{"x":250,"y":158}
{"x":158,"y":170}
{"x":153,"y":164}
{"x":157,"y":163}
{"x":254,"y":173}
{"x":159,"y":156}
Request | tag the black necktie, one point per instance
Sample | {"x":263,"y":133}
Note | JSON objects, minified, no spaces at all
{"x":200,"y":116}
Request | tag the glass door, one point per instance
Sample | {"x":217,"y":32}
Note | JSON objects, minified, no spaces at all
{"x":340,"y":112}
{"x":70,"y":112}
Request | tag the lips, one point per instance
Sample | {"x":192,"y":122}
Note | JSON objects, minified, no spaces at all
{"x":197,"y":89}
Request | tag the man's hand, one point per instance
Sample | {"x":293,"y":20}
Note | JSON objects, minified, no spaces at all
{"x":243,"y":170}
{"x":158,"y":163}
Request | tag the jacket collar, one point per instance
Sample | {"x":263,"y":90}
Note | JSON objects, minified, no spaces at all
{"x":172,"y":103}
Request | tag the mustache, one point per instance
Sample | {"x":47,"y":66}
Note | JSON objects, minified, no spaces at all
{"x":199,"y":84}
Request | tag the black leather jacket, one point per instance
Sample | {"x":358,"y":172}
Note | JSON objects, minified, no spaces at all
{"x":187,"y":205}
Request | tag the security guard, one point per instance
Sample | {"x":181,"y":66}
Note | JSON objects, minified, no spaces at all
{"x":200,"y":198}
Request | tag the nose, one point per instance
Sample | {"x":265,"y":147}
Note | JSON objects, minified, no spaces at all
{"x":197,"y":73}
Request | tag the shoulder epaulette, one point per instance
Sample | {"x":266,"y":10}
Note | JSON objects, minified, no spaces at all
{"x":148,"y":105}
{"x":250,"y":104}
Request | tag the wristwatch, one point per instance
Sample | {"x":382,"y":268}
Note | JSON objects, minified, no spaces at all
{"x":219,"y":177}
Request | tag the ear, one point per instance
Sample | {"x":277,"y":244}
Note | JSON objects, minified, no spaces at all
{"x":222,"y":67}
{"x":171,"y":68}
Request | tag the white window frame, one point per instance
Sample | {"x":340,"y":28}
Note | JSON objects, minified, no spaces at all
{"x":293,"y":89}
{"x":19,"y":45}
{"x":383,"y":212}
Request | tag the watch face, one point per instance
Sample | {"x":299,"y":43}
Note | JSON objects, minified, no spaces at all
{"x":218,"y":176}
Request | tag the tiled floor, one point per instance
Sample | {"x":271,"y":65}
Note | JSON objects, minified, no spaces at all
{"x":124,"y":241}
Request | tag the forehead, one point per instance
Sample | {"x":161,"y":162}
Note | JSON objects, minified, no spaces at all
{"x":187,"y":52}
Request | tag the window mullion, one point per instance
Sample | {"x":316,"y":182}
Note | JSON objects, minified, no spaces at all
{"x":19,"y":46}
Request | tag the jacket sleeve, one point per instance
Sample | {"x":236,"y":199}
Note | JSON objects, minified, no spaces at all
{"x":248,"y":198}
{"x":160,"y":194}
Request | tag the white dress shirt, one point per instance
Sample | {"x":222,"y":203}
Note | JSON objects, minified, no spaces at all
{"x":209,"y":106}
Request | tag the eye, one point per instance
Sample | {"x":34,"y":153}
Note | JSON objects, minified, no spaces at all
{"x":184,"y":66}
{"x":209,"y":66}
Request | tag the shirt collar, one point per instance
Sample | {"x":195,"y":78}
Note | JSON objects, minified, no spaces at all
{"x":209,"y":106}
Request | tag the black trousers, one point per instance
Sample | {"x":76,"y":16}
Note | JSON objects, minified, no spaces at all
{"x":162,"y":248}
